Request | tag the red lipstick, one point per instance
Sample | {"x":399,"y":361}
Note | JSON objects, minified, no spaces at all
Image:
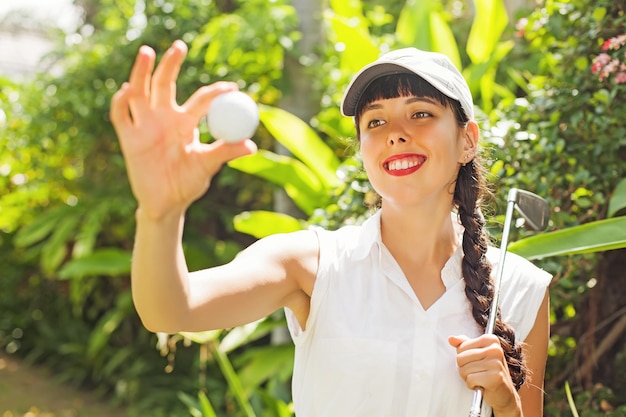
{"x":403,"y":164}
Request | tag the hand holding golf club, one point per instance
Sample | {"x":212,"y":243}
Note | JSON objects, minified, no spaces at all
{"x":168,"y":166}
{"x":536,"y":214}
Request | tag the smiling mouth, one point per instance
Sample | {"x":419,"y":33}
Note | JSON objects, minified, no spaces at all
{"x":403,"y":164}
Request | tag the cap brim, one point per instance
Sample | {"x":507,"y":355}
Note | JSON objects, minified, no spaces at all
{"x":379,"y":69}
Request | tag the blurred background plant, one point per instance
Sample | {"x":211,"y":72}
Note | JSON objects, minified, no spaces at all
{"x":550,"y":125}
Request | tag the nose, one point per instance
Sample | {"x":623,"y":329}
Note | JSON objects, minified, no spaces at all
{"x":395,"y":139}
{"x":398,"y":134}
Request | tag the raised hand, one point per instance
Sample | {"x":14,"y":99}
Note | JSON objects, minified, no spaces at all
{"x":168,"y":167}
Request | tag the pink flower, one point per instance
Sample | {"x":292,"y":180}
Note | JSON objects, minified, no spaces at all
{"x":611,"y":64}
{"x":596,"y":67}
{"x":614,"y":43}
{"x":602,"y":59}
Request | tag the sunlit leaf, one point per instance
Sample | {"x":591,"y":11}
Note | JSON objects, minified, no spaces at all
{"x":443,"y":39}
{"x":264,"y":223}
{"x":302,"y":141}
{"x":413,"y":28}
{"x":357,"y":48}
{"x":591,"y":237}
{"x":247,"y":333}
{"x":202,"y":337}
{"x":299,"y":182}
{"x":487,"y":28}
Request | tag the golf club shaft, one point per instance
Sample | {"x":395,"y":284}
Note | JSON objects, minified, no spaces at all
{"x":477,"y":401}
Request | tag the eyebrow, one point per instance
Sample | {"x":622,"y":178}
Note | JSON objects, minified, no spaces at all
{"x":375,"y":106}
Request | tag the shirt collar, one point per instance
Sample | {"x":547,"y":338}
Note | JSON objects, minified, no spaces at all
{"x":370,"y":238}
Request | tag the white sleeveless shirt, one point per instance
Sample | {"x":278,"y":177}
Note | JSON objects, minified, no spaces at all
{"x":371,"y":350}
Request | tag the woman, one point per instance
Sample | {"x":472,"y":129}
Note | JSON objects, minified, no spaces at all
{"x":387,"y":318}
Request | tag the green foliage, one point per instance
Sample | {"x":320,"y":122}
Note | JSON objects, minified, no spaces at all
{"x":66,"y":212}
{"x":596,"y":236}
{"x":564,"y":139}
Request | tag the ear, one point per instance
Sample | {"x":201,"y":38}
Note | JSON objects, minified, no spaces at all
{"x":470,"y":135}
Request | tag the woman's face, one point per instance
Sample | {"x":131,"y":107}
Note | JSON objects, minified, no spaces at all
{"x":412,"y":148}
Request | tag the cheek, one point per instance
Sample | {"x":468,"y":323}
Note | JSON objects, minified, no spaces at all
{"x":366,"y":150}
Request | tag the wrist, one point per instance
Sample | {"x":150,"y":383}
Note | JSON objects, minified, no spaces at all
{"x":143,"y":214}
{"x":512,"y":410}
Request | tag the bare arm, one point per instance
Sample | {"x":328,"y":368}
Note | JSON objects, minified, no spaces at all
{"x":274,"y":272}
{"x":536,"y":354}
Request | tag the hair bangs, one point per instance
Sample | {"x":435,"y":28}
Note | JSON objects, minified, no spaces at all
{"x":405,"y":85}
{"x":399,"y":85}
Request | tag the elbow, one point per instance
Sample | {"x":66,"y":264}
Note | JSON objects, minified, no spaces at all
{"x":159,"y":326}
{"x":161,"y":322}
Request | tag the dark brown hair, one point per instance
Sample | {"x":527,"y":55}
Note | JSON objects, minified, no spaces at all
{"x":469,"y":191}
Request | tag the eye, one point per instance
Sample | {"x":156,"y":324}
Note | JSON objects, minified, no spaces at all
{"x":375,"y":123}
{"x":420,"y":115}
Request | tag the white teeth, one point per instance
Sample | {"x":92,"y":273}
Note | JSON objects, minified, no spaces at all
{"x":401,"y":164}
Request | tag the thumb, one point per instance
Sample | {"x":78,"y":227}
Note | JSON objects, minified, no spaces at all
{"x":456,"y":341}
{"x":222,"y":152}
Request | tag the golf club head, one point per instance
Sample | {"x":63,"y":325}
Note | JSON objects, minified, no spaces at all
{"x":534,"y":209}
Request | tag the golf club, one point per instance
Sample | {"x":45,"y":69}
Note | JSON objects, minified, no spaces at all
{"x":536,"y":213}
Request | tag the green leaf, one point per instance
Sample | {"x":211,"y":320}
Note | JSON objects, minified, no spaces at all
{"x":264,"y":223}
{"x":102,"y":262}
{"x":443,"y":39}
{"x":41,"y":227}
{"x":299,"y":182}
{"x":242,"y":335}
{"x":202,"y":337}
{"x":205,"y":404}
{"x":358,"y":47}
{"x":413,"y":28}
{"x":618,"y":200}
{"x":598,"y":236}
{"x":266,"y":362}
{"x":489,"y":23}
{"x":303,"y":142}
{"x":234,"y":383}
{"x":352,"y":9}
{"x":108,"y":324}
{"x":599,"y":13}
{"x":570,"y":400}
{"x":55,"y":248}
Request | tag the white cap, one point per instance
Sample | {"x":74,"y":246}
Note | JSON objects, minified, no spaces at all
{"x":435,"y":68}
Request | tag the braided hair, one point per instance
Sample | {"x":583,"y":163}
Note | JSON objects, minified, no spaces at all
{"x":468,"y":196}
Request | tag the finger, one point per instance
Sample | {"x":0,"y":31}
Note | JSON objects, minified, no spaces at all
{"x":477,"y":380}
{"x":198,"y":104}
{"x":120,"y":111}
{"x":164,"y":79}
{"x":457,"y":341}
{"x":219,"y":152}
{"x":139,"y":81}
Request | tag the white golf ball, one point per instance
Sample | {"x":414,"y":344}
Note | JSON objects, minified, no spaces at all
{"x":233,"y":117}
